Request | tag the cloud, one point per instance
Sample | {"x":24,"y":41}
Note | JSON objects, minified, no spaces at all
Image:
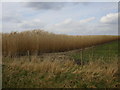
{"x":111,"y":18}
{"x":87,"y":20}
{"x":59,"y":17}
{"x":82,"y":27}
{"x":46,"y":5}
{"x":10,"y":18}
{"x":31,"y":24}
{"x":71,"y":26}
{"x":73,"y":22}
{"x":51,"y":5}
{"x":24,"y":25}
{"x":12,"y":12}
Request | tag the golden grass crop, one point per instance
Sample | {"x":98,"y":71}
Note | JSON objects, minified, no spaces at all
{"x":0,"y":48}
{"x":38,"y":41}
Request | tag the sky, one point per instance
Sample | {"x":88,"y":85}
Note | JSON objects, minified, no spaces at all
{"x":72,"y":18}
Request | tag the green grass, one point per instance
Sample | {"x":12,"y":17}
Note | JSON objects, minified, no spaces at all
{"x":105,"y":52}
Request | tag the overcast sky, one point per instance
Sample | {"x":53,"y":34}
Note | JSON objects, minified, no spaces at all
{"x":73,"y":18}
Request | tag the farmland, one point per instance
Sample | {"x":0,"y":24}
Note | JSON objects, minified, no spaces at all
{"x":59,"y":61}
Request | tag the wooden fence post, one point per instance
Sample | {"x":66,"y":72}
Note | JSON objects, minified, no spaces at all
{"x":81,"y":57}
{"x":109,"y":53}
{"x":29,"y":55}
{"x":92,"y":52}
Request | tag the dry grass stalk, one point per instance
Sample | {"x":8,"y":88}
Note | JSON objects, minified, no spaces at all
{"x":38,"y":42}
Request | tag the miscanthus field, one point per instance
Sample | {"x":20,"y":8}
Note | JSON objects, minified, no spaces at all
{"x":38,"y":59}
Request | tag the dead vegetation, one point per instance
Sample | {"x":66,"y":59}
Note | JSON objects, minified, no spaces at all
{"x":59,"y":70}
{"x":37,"y":41}
{"x":60,"y":74}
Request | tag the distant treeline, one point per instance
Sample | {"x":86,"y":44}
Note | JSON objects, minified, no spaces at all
{"x":38,"y":41}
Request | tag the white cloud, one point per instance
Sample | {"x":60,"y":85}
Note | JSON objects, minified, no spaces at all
{"x":73,"y":22}
{"x":87,"y":20}
{"x":71,"y":26}
{"x":67,"y":21}
{"x":111,"y":18}
{"x":82,"y":27}
{"x":31,"y":24}
{"x":24,"y":25}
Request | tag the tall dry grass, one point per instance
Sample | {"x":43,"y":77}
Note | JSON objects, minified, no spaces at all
{"x":47,"y":73}
{"x":0,"y":48}
{"x":38,"y":41}
{"x":58,"y":66}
